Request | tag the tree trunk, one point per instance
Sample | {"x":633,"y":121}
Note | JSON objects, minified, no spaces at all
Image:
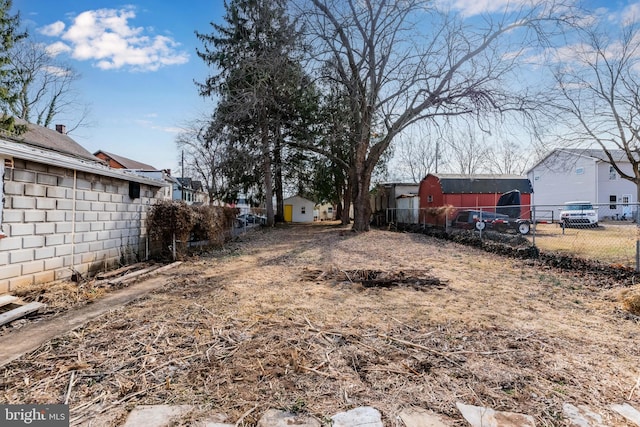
{"x":277,"y":155}
{"x":268,"y":181}
{"x":346,"y":205}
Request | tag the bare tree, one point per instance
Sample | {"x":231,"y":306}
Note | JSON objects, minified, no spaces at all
{"x":468,"y":152}
{"x":45,"y":87}
{"x":599,"y":82}
{"x":204,"y":159}
{"x":402,"y":62}
{"x":419,"y":152}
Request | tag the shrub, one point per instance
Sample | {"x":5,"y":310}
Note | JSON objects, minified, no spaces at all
{"x":175,"y":219}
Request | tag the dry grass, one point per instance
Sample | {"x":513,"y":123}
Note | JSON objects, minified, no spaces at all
{"x":609,"y":243}
{"x":249,"y":328}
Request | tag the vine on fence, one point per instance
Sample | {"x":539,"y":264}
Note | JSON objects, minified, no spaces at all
{"x":175,"y":222}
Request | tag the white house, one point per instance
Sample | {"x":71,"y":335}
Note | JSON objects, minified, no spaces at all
{"x":580,"y":174}
{"x":298,"y":209}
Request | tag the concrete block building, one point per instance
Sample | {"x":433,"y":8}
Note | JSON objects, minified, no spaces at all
{"x":65,"y":212}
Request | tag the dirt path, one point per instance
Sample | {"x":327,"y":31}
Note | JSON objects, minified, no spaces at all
{"x":279,"y":320}
{"x":34,"y":335}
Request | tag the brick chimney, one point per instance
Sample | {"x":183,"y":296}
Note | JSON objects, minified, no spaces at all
{"x":61,"y":129}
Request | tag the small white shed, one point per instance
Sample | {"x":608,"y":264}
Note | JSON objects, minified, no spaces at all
{"x":407,"y":208}
{"x":298,"y":209}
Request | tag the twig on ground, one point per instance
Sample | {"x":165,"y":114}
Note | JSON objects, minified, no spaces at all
{"x":68,"y":395}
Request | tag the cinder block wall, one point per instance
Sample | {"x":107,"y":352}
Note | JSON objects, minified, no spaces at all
{"x":59,"y":222}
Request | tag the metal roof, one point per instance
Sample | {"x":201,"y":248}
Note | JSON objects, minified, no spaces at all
{"x":483,"y":184}
{"x":127,"y":163}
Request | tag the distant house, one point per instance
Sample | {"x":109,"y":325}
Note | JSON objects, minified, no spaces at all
{"x":469,"y":191}
{"x":566,"y":175}
{"x":190,"y":191}
{"x":65,"y":212}
{"x":324,"y":212}
{"x":120,"y":162}
{"x":298,"y":209}
{"x":387,"y":199}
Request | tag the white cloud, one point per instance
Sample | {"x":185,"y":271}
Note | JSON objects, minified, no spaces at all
{"x":631,"y":14}
{"x":478,"y":7}
{"x":57,"y":48}
{"x":52,"y":30}
{"x":105,"y":37}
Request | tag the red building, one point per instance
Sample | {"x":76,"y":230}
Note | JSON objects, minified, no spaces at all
{"x":442,"y":194}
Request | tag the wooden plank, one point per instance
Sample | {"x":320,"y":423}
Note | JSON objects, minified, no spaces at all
{"x":19,"y":312}
{"x":119,"y":271}
{"x":7,"y":299}
{"x":132,"y":276}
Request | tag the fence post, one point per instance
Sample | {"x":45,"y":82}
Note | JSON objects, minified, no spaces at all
{"x":173,"y":246}
{"x":533,"y":226}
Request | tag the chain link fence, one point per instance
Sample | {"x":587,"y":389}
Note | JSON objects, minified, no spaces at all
{"x":608,"y":233}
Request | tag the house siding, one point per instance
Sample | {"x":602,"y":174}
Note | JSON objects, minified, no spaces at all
{"x":53,"y":230}
{"x":298,"y":203}
{"x":556,"y":181}
{"x":563,"y":177}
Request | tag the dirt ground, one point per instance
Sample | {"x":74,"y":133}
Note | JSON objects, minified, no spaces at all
{"x":281,"y":319}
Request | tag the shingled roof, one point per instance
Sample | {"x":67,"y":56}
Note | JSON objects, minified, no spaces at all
{"x":42,"y":137}
{"x":483,"y":183}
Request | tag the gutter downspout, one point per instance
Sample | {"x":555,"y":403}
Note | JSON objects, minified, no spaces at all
{"x":73,"y":220}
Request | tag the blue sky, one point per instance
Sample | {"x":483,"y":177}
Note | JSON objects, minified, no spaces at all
{"x":137,"y":63}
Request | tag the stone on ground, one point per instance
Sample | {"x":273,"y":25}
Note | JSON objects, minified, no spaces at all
{"x":365,"y":416}
{"x":276,"y":418}
{"x":418,"y":417}
{"x":156,"y":415}
{"x":628,"y":411}
{"x":581,"y":416}
{"x":478,"y":416}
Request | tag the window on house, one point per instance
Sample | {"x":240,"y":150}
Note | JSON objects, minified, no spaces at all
{"x":429,"y":199}
{"x":612,"y":202}
{"x":579,"y":171}
{"x":303,"y":210}
{"x":330,"y":209}
{"x":612,"y":173}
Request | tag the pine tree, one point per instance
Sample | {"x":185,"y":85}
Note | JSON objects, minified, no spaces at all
{"x":9,"y":36}
{"x":259,"y":84}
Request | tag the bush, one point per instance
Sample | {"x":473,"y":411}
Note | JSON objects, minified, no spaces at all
{"x":175,"y":219}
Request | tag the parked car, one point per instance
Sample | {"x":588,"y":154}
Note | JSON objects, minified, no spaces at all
{"x":578,"y":213}
{"x":245,"y":219}
{"x":480,"y":220}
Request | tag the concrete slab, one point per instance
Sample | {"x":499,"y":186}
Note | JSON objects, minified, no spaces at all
{"x":479,"y":416}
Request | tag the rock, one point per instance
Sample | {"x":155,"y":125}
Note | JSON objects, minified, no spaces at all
{"x":628,"y":411}
{"x":478,"y":416}
{"x":276,"y":418}
{"x":155,"y":415}
{"x":581,"y":416}
{"x":365,"y":416}
{"x":418,"y":417}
